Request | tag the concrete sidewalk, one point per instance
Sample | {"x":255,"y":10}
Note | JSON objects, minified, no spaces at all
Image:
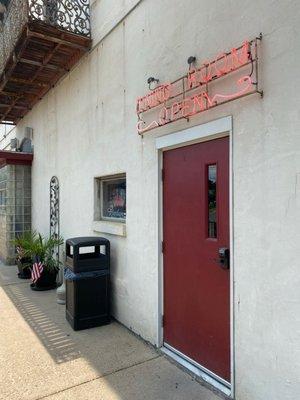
{"x":41,"y":357}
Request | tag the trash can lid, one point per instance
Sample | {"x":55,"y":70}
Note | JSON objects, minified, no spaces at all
{"x":87,"y":241}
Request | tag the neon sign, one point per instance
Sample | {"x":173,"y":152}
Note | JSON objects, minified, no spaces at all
{"x":201,"y":88}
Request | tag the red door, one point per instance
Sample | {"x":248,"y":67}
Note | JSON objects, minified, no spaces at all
{"x":196,"y":279}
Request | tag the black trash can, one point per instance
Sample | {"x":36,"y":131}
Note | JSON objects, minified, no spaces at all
{"x":87,"y":276}
{"x":94,"y":259}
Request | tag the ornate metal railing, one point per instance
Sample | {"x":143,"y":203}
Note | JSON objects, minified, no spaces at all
{"x":54,"y":212}
{"x":70,"y":15}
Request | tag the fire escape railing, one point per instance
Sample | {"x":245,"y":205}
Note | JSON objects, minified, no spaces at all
{"x":72,"y":16}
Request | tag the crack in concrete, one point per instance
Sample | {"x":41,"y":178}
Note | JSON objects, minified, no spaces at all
{"x":99,"y":377}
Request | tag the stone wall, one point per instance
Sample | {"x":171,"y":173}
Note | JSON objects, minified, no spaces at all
{"x":14,"y":20}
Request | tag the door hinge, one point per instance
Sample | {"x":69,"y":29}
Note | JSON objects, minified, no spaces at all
{"x":162,"y":246}
{"x":162,"y":321}
{"x":162,"y":174}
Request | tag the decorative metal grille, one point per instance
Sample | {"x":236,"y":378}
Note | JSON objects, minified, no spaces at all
{"x":54,"y":210}
{"x":70,"y":15}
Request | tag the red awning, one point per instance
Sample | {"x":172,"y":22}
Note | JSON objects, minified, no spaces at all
{"x":15,"y":158}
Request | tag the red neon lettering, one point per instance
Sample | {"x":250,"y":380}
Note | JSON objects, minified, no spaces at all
{"x":150,"y":100}
{"x":175,"y":108}
{"x":185,"y":107}
{"x":154,"y":98}
{"x":192,"y":78}
{"x":200,"y":105}
{"x":240,"y":57}
{"x":142,"y":128}
{"x":163,"y":116}
{"x":138,"y":105}
{"x":207,"y":75}
{"x":234,"y":59}
{"x":198,"y":101}
{"x":144,"y":103}
{"x":167,"y":91}
{"x":159,"y":95}
{"x":223,"y":69}
{"x":236,"y":94}
{"x":224,"y":63}
{"x":245,"y":53}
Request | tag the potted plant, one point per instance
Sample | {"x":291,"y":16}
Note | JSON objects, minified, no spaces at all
{"x":44,"y":265}
{"x":23,"y":259}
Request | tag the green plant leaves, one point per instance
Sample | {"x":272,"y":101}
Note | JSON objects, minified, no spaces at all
{"x":34,"y":245}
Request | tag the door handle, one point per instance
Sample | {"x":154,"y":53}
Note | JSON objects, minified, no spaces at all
{"x":224,"y":257}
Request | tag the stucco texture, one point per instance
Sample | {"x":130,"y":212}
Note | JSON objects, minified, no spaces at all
{"x":86,"y":128}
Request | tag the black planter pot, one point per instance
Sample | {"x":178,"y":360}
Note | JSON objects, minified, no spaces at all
{"x":24,"y":272}
{"x":47,"y":281}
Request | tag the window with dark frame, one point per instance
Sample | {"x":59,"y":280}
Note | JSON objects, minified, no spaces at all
{"x":111,"y":202}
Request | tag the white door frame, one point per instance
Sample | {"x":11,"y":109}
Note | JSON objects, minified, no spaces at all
{"x":218,"y":128}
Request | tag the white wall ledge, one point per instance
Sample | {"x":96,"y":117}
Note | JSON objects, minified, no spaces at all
{"x":112,"y":228}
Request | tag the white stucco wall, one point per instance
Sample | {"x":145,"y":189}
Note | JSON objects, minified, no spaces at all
{"x":86,"y":127}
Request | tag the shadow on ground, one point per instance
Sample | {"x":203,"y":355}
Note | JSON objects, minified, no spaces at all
{"x":44,"y":358}
{"x":55,"y":340}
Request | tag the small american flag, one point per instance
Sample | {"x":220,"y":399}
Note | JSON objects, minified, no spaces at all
{"x":37,"y":269}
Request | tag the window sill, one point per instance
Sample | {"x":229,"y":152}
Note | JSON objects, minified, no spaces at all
{"x":112,"y":228}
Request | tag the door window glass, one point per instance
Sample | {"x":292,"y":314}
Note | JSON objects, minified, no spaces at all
{"x":212,"y":201}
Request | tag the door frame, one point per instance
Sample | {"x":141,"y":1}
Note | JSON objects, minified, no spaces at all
{"x":215,"y":129}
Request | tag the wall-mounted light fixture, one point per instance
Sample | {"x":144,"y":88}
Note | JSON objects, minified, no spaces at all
{"x":152,"y":81}
{"x":191,"y":60}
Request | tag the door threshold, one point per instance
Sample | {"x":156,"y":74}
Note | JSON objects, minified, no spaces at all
{"x":201,"y":372}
